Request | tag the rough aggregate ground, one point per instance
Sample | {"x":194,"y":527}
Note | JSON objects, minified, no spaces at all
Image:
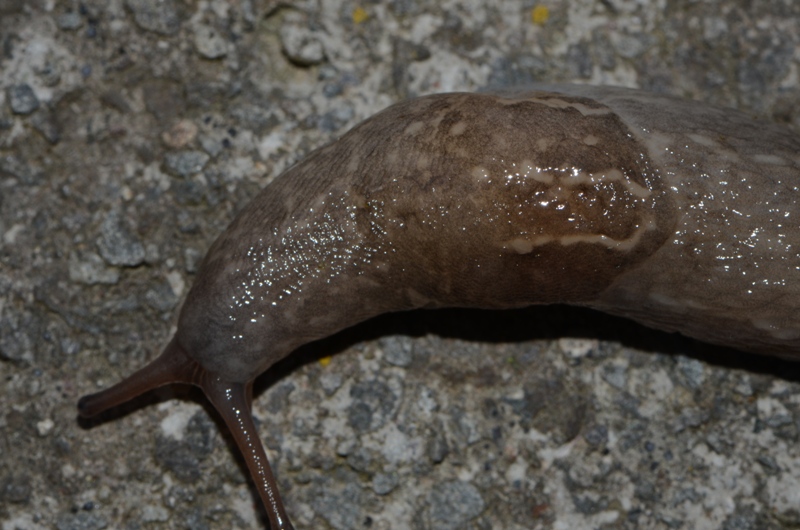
{"x":132,"y":131}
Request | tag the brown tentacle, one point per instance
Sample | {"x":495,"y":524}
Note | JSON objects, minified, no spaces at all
{"x":173,"y":366}
{"x":232,"y":401}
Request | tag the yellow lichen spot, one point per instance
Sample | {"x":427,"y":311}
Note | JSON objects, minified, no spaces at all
{"x":540,"y":14}
{"x":325,"y":361}
{"x":359,"y":15}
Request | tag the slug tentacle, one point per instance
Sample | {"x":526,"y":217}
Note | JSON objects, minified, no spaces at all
{"x":233,"y":402}
{"x":174,"y":365}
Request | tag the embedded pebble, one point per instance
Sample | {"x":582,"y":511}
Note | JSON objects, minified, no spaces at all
{"x":69,"y":20}
{"x":117,"y":244}
{"x":300,"y":44}
{"x":174,"y":456}
{"x":191,"y":259}
{"x":81,"y":521}
{"x":209,"y":43}
{"x":45,"y":123}
{"x":615,"y":375}
{"x":160,"y":16}
{"x":692,"y":370}
{"x":161,"y":297}
{"x":15,"y":489}
{"x":16,"y":336}
{"x":19,"y":169}
{"x":384,"y":483}
{"x":453,"y":504}
{"x":339,"y":500}
{"x":152,"y":513}
{"x":180,"y":135}
{"x":185,"y":163}
{"x":330,"y":382}
{"x":397,"y":350}
{"x":374,"y":403}
{"x":22,"y":99}
{"x":45,"y":427}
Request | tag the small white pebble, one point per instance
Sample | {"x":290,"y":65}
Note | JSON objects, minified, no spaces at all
{"x":45,"y":427}
{"x":577,"y":348}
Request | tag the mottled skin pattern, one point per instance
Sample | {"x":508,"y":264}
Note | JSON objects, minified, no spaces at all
{"x":729,"y":272}
{"x":448,"y":200}
{"x":679,"y":215}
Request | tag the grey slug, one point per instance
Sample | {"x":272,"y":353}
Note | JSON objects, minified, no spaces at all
{"x":677,"y":214}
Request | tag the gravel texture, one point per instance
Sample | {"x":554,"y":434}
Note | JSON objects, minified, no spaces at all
{"x":132,"y":131}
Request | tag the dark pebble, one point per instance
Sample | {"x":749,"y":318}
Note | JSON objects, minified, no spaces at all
{"x":453,"y":504}
{"x":22,"y":99}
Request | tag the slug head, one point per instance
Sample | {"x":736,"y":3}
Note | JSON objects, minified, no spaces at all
{"x":232,"y":400}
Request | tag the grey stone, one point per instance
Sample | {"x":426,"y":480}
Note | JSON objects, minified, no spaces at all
{"x":191,"y":259}
{"x":209,"y":43}
{"x":160,"y":16}
{"x":579,"y":60}
{"x":117,"y":244}
{"x":746,"y":518}
{"x":161,"y":297}
{"x":49,"y":73}
{"x":164,"y":99}
{"x":597,"y":435}
{"x":185,"y":163}
{"x":692,"y":370}
{"x":691,"y":417}
{"x":10,"y":7}
{"x":176,"y":457}
{"x":90,"y":269}
{"x":188,"y":192}
{"x":45,"y":123}
{"x":384,"y":483}
{"x":213,"y":144}
{"x":279,"y":396}
{"x":336,"y":119}
{"x":152,"y":513}
{"x":17,"y":168}
{"x":615,"y":375}
{"x":632,"y":46}
{"x":69,"y":21}
{"x":339,"y":501}
{"x":519,"y":70}
{"x":260,"y":118}
{"x":437,"y":448}
{"x":81,"y":521}
{"x":397,"y":350}
{"x":17,"y":334}
{"x":194,"y":520}
{"x":22,"y":99}
{"x":453,"y":504}
{"x":359,"y":460}
{"x":374,"y":403}
{"x":331,"y":382}
{"x":301,"y":45}
{"x":6,"y":120}
{"x":15,"y":489}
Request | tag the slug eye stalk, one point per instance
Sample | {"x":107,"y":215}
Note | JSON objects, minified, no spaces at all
{"x":231,"y":400}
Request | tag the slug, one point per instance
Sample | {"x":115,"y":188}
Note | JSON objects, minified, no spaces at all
{"x":679,"y":215}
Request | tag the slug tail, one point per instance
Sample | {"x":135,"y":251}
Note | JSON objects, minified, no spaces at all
{"x":232,"y":401}
{"x":173,"y":366}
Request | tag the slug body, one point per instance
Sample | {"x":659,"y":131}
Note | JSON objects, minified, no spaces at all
{"x":676,"y":214}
